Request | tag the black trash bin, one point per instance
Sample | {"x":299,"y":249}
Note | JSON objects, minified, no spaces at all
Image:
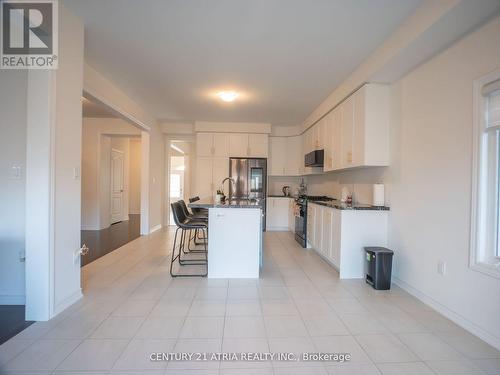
{"x":378,"y":267}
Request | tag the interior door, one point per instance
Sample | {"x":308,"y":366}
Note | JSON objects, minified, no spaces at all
{"x":117,"y":166}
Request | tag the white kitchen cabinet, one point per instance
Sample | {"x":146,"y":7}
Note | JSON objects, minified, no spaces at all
{"x":204,"y":184}
{"x":243,"y":145}
{"x":371,"y":126}
{"x":277,"y":213}
{"x":318,"y":135}
{"x":212,"y":144}
{"x":342,"y":242}
{"x":293,"y":156}
{"x":318,"y":227}
{"x":278,"y":156}
{"x":328,"y":143}
{"x":285,"y":156}
{"x":219,"y":172}
{"x":311,"y":223}
{"x":204,"y":144}
{"x":238,"y":145}
{"x":291,"y":215}
{"x":258,"y":145}
{"x":210,"y":171}
{"x":326,"y":234}
{"x":347,"y":132}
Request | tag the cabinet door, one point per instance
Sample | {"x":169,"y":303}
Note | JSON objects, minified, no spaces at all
{"x":311,"y":208}
{"x":336,"y":151}
{"x":291,"y":215}
{"x":271,"y":213}
{"x":328,"y":143}
{"x":318,"y":224}
{"x":204,"y":184}
{"x":204,"y":144}
{"x":282,"y":208}
{"x":278,"y":158}
{"x":238,"y":145}
{"x":220,"y":172}
{"x":293,"y":156}
{"x":358,"y":142}
{"x":326,"y":243}
{"x":258,"y":145}
{"x":319,"y":134}
{"x":336,"y":240}
{"x":347,"y":128}
{"x":221,"y":144}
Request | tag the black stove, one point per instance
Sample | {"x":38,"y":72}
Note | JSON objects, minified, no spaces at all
{"x":301,"y":217}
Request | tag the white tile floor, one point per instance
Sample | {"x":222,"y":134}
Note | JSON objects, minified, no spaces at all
{"x":132,"y":307}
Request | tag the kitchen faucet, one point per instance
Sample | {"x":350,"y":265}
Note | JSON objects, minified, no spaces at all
{"x":222,"y":185}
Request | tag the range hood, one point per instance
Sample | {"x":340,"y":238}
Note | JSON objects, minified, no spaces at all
{"x":315,"y":158}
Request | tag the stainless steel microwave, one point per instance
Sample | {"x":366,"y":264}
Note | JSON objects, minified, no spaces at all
{"x":315,"y":158}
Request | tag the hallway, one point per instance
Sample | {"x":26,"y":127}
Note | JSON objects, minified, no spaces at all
{"x":132,"y":308}
{"x":101,"y":242}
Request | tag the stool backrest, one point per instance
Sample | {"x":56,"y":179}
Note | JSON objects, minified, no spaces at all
{"x":178,"y":214}
{"x":184,"y":208}
{"x":194,"y":199}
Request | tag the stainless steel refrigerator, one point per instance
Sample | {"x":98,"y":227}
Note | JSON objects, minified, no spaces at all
{"x":250,"y":180}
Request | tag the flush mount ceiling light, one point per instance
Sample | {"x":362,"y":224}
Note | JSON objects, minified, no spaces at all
{"x":227,"y":96}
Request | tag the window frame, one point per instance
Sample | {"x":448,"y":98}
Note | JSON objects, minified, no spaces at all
{"x":477,"y":262}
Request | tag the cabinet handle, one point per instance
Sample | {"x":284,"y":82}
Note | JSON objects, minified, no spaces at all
{"x":212,"y":150}
{"x":349,"y":157}
{"x":248,"y":151}
{"x":283,"y":170}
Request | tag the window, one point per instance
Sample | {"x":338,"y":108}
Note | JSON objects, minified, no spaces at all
{"x":485,"y":233}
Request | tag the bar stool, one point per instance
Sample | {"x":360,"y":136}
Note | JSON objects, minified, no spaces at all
{"x":185,"y":225}
{"x":195,"y":217}
{"x":195,"y":209}
{"x":197,"y":212}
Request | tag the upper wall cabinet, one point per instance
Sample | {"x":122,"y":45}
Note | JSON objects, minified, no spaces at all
{"x":212,"y":144}
{"x":285,"y":156}
{"x":248,"y":145}
{"x":371,"y":126}
{"x":357,"y":131}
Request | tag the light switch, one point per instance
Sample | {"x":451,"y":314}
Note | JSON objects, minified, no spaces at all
{"x":76,"y":173}
{"x":15,"y":172}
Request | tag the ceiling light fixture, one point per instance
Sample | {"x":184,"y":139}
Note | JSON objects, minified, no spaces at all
{"x":227,"y":96}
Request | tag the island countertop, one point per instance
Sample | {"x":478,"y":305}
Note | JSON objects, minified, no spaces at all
{"x":234,"y":203}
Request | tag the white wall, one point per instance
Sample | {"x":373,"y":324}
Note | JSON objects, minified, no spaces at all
{"x":53,"y":187}
{"x":95,"y":167}
{"x":276,"y":183}
{"x":12,"y":190}
{"x":135,"y":177}
{"x":429,"y":183}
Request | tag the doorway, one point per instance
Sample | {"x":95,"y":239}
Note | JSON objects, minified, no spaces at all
{"x":179,"y":157}
{"x":111,"y":182}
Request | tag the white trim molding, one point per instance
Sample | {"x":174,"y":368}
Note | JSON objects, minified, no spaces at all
{"x":155,"y":228}
{"x":477,"y":253}
{"x":450,"y":314}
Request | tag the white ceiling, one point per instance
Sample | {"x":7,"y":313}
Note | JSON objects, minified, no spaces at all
{"x":284,"y":56}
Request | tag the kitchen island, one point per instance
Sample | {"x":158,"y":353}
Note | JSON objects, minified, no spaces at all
{"x":234,"y":238}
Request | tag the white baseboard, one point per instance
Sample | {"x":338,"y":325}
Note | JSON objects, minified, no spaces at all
{"x":155,"y":228}
{"x":277,"y":229}
{"x":453,"y":316}
{"x":90,"y":227}
{"x":67,"y":302}
{"x":12,"y":300}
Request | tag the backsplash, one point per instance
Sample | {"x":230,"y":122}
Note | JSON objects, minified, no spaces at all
{"x":359,"y":182}
{"x":276,"y":183}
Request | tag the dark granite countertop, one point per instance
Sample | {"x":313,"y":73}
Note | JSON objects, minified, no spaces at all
{"x":280,"y":196}
{"x":234,"y":203}
{"x":344,"y":206}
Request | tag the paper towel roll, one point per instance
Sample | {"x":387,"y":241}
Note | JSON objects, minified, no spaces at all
{"x":378,"y":195}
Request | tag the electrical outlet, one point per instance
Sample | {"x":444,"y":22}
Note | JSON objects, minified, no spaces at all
{"x":22,"y":256}
{"x":441,"y":267}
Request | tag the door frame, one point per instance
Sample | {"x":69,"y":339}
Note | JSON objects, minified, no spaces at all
{"x":111,"y":170}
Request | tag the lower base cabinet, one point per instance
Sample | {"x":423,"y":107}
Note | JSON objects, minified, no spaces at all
{"x":339,"y":236}
{"x":278,"y":213}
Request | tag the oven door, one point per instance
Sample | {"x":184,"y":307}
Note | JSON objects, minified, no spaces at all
{"x":300,"y":227}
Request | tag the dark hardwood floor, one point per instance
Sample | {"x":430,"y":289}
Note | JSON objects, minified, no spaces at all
{"x":101,"y":242}
{"x":11,"y":321}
